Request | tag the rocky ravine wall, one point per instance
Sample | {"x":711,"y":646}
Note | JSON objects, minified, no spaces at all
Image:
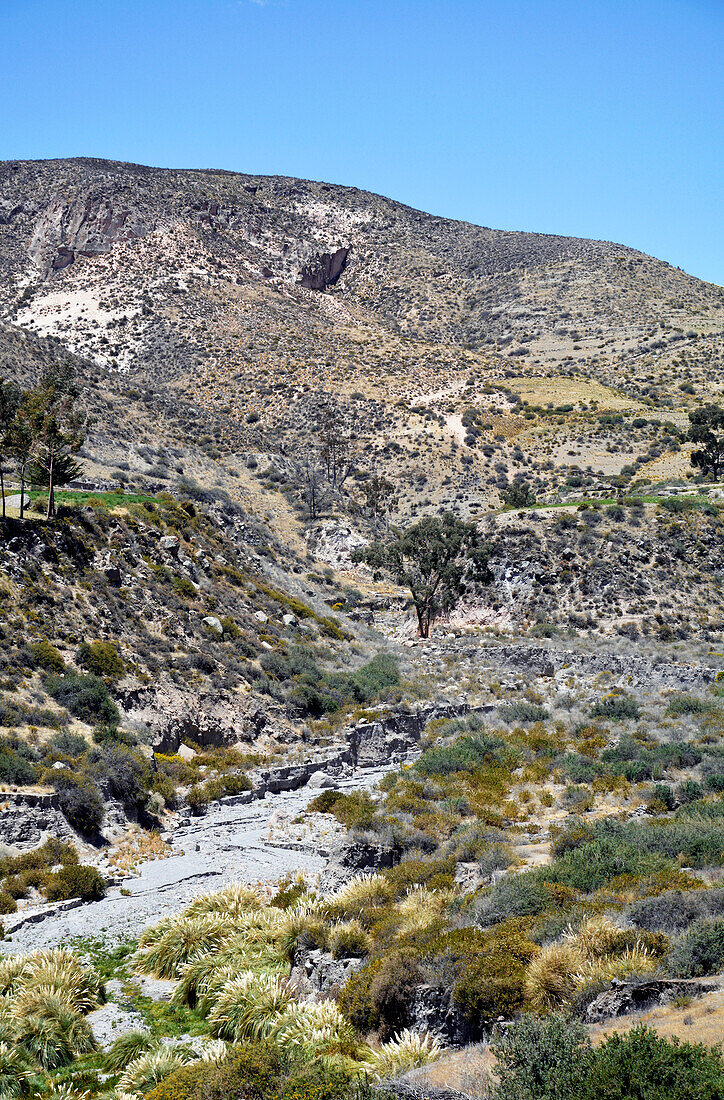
{"x":26,"y":818}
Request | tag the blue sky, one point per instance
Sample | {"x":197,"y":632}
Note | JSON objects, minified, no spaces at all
{"x":597,"y":119}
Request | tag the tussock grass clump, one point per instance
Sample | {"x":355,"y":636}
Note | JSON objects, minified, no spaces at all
{"x":404,"y":1052}
{"x":146,"y":1071}
{"x":357,"y":895}
{"x":315,"y":1030}
{"x":181,"y":942}
{"x":551,"y":978}
{"x":248,"y":1006}
{"x":126,"y":1049}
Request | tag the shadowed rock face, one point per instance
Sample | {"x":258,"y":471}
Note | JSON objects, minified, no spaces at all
{"x":324,"y":269}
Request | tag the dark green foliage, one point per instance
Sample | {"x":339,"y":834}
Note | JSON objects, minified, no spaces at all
{"x":616,"y":708}
{"x":255,"y":1071}
{"x":391,"y":990}
{"x":542,"y":1058}
{"x":102,"y":659}
{"x":438,"y":559}
{"x":551,"y":1058}
{"x":464,"y":755}
{"x":707,"y":429}
{"x":86,"y":697}
{"x":641,"y":1065}
{"x":689,"y":704}
{"x":68,"y":744}
{"x":522,"y":711}
{"x":595,"y":864}
{"x":518,"y":495}
{"x":695,"y":831}
{"x":80,"y":803}
{"x":689,"y":791}
{"x":125,"y":773}
{"x":7,"y":902}
{"x":85,"y":883}
{"x":201,"y":794}
{"x":16,"y":762}
{"x":46,"y":656}
{"x":251,"y":1072}
{"x":522,"y":895}
{"x":369,"y":681}
{"x":661,"y":798}
{"x":701,"y":951}
{"x":355,"y":810}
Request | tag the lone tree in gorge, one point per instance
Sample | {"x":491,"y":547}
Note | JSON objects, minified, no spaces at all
{"x":439,"y":559}
{"x":707,"y":429}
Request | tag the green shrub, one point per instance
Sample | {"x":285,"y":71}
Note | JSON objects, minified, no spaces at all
{"x":81,"y":882}
{"x":673,"y":911}
{"x":355,"y":810}
{"x":68,"y":744}
{"x":102,"y":659}
{"x":324,"y":802}
{"x":80,"y":804}
{"x":642,"y":1064}
{"x":183,"y":586}
{"x":594,"y":865}
{"x":470,"y":752}
{"x":46,"y":656}
{"x":86,"y":697}
{"x":492,"y":983}
{"x":390,"y":992}
{"x":542,"y":1058}
{"x":522,"y":711}
{"x":701,"y":951}
{"x":355,"y":999}
{"x":689,"y":791}
{"x":15,"y":765}
{"x":200,"y":795}
{"x":125,"y":772}
{"x":513,"y":895}
{"x":616,"y":708}
{"x":7,"y":902}
{"x":688,"y":704}
{"x":251,"y":1072}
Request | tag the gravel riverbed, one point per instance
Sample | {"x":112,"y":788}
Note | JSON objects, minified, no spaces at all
{"x":228,"y":844}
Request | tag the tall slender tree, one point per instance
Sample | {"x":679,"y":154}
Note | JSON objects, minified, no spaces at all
{"x":58,"y":426}
{"x":21,"y":445}
{"x":10,"y":399}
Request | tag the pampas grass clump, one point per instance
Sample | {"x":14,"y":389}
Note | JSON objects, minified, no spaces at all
{"x":349,"y":940}
{"x":421,"y":907}
{"x":181,"y":941}
{"x":50,"y":1030}
{"x":312,"y":1030}
{"x":360,"y":893}
{"x":15,"y":1070}
{"x":145,"y":1072}
{"x":126,"y":1049}
{"x":233,"y":901}
{"x":248,"y":1006}
{"x":405,"y":1052}
{"x":634,"y":960}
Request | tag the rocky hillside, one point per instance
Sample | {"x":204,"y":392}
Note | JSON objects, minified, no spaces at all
{"x":224,"y":312}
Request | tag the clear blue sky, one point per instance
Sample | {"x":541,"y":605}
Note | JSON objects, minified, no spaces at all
{"x":597,"y":119}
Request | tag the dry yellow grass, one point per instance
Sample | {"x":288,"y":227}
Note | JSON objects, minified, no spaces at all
{"x":568,"y":391}
{"x":702,"y":1021}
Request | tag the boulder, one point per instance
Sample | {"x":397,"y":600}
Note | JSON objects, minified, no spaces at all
{"x":212,"y":623}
